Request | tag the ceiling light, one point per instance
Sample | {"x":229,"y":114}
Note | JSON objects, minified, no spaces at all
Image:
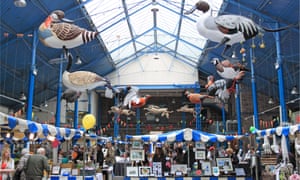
{"x":20,"y":3}
{"x":78,"y":60}
{"x":233,"y":54}
{"x":23,"y":97}
{"x":31,"y":136}
{"x":270,"y":101}
{"x":34,"y":71}
{"x":50,"y":138}
{"x":156,"y":57}
{"x":173,"y":101}
{"x":294,"y":90}
{"x":45,"y":104}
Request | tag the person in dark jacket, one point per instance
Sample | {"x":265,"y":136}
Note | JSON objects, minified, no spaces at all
{"x":159,"y":156}
{"x":36,"y":165}
{"x":100,"y":156}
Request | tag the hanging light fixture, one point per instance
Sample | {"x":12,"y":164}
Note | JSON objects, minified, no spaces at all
{"x":78,"y":60}
{"x":173,"y":101}
{"x":233,"y":54}
{"x":271,"y":101}
{"x":20,"y":3}
{"x":294,"y":90}
{"x":22,"y":97}
{"x":45,"y":104}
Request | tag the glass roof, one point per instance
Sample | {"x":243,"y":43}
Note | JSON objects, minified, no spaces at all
{"x":133,"y":28}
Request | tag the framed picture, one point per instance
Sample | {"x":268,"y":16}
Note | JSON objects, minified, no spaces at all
{"x":137,"y":155}
{"x":224,"y":164}
{"x":199,"y":154}
{"x":65,"y":171}
{"x":206,"y":168}
{"x":137,"y":145}
{"x":179,"y":168}
{"x":199,"y":145}
{"x":270,"y":168}
{"x":75,"y":172}
{"x":240,"y":172}
{"x":215,"y":171}
{"x":157,"y":168}
{"x":144,"y":171}
{"x":132,"y":171}
{"x":55,"y":169}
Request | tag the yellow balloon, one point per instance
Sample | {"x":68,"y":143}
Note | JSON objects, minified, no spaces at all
{"x":88,"y":121}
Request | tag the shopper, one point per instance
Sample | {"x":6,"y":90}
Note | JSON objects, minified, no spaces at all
{"x":159,"y":156}
{"x":7,"y":165}
{"x":110,"y":157}
{"x":99,"y":156}
{"x":20,"y":173}
{"x":36,"y":165}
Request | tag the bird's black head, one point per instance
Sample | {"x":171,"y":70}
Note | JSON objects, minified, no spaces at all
{"x":57,"y":15}
{"x":202,"y":6}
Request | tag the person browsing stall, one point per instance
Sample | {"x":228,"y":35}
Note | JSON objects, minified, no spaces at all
{"x":36,"y":165}
{"x":7,"y":165}
{"x":110,"y":157}
{"x":20,"y":173}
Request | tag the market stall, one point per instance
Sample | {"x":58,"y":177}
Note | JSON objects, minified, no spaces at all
{"x":286,"y":156}
{"x":17,"y":129}
{"x":222,"y":169}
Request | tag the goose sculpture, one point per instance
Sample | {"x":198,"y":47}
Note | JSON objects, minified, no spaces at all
{"x":228,"y":70}
{"x":227,"y":29}
{"x":82,"y":80}
{"x":57,"y":32}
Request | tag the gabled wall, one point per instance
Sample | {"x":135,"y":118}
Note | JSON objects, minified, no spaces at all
{"x":160,"y":69}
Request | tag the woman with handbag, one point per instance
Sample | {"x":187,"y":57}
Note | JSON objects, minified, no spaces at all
{"x":7,"y":165}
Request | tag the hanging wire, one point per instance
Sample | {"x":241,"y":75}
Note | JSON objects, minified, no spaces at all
{"x":15,"y":68}
{"x":6,"y":58}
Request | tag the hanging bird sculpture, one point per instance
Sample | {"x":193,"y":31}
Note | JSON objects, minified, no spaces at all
{"x":141,"y":101}
{"x":58,"y":32}
{"x":228,"y":70}
{"x":227,"y":29}
{"x":82,"y":80}
{"x":196,"y":98}
{"x":220,"y":88}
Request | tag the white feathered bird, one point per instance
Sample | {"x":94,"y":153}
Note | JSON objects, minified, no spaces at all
{"x":227,"y":29}
{"x":266,"y":145}
{"x":275,"y":147}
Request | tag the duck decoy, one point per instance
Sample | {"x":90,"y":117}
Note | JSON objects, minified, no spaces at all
{"x":132,"y":98}
{"x":227,"y":29}
{"x":82,"y":80}
{"x":140,"y":102}
{"x":131,"y":94}
{"x":196,"y":98}
{"x":228,"y":70}
{"x":57,"y":32}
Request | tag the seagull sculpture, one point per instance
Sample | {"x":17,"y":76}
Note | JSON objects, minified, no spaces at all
{"x":227,"y":29}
